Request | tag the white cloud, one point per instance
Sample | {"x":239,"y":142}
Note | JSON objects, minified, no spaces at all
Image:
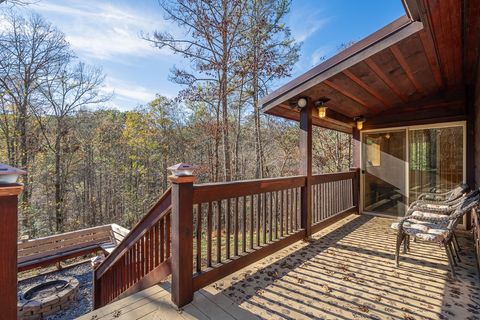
{"x":128,"y":91}
{"x":101,"y":30}
{"x":304,"y":22}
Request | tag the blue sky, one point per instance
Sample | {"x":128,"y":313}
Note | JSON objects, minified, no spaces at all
{"x":107,"y":34}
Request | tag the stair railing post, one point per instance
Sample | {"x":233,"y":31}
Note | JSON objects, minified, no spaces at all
{"x":182,"y":239}
{"x":9,"y":192}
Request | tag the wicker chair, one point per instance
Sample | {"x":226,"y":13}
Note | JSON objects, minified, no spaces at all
{"x":434,"y":227}
{"x":453,"y":194}
{"x":432,"y":208}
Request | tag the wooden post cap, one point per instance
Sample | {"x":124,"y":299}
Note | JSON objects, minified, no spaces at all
{"x":11,"y":189}
{"x":181,"y":179}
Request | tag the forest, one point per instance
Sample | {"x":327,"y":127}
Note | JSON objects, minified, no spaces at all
{"x":89,"y":164}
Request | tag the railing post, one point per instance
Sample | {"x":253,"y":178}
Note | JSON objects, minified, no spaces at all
{"x":356,"y":189}
{"x":182,"y":241}
{"x":8,"y":239}
{"x":306,"y":133}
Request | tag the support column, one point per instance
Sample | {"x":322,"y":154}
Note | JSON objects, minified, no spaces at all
{"x":306,"y":134}
{"x":8,"y":249}
{"x":182,"y":241}
{"x":356,"y":166}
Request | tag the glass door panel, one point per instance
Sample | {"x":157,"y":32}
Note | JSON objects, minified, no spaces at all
{"x":435,"y":159}
{"x":384,"y":172}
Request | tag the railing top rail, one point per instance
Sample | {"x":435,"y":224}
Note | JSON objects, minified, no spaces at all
{"x":158,"y":211}
{"x":225,"y":190}
{"x":328,"y":177}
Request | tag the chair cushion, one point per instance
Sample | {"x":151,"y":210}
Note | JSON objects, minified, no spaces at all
{"x":422,"y":230}
{"x":424,"y":214}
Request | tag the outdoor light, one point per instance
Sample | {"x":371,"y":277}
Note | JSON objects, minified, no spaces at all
{"x":359,"y":121}
{"x":302,"y":103}
{"x":182,"y":169}
{"x":322,"y":109}
{"x":9,"y":174}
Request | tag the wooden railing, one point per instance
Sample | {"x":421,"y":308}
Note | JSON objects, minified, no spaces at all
{"x":220,"y":228}
{"x":141,"y":260}
{"x":332,"y":195}
{"x":236,"y":223}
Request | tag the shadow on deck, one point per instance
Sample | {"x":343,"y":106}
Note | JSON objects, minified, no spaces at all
{"x":347,"y":271}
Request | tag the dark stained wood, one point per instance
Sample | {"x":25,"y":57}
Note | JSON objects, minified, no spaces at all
{"x":471,"y":34}
{"x":348,"y":93}
{"x":209,"y":234}
{"x":432,"y":57}
{"x":382,"y":75}
{"x":209,"y":276}
{"x":392,"y":33}
{"x":182,"y":244}
{"x":366,"y":87}
{"x":219,"y":231}
{"x":330,"y":177}
{"x":406,"y":68}
{"x":198,"y":237}
{"x":152,"y":278}
{"x":158,"y":211}
{"x":218,"y":191}
{"x":306,"y":136}
{"x":8,"y":250}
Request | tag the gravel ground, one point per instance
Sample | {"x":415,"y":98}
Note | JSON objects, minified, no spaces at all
{"x":83,"y":304}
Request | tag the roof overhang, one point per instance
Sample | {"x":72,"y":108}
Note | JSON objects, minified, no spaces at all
{"x":406,"y":65}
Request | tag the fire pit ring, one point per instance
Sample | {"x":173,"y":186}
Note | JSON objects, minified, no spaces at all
{"x":47,"y":298}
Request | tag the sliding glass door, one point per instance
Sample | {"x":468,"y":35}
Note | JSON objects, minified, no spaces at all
{"x":384,"y":167}
{"x":417,"y":159}
{"x":436,"y":159}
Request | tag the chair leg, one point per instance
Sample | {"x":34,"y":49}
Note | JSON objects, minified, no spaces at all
{"x":456,"y":251}
{"x":453,"y":253}
{"x":450,"y":260}
{"x":400,"y":237}
{"x":455,"y":243}
{"x":405,"y":243}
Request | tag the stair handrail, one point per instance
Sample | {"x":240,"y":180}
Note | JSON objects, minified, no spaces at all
{"x":156,"y":212}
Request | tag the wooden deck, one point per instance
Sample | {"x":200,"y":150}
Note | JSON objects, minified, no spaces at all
{"x":345,"y":272}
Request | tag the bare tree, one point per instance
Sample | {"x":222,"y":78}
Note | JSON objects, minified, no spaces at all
{"x":212,"y":36}
{"x":63,"y":93}
{"x":30,"y":49}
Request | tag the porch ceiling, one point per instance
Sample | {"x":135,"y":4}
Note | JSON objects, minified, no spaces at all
{"x":416,"y":64}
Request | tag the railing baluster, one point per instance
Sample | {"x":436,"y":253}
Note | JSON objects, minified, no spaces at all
{"x":251,"y":221}
{"x":264,"y":218}
{"x":162,"y":239}
{"x":209,"y":235}
{"x":270,"y":222}
{"x":235,"y":229}
{"x":198,"y":208}
{"x":281,"y":213}
{"x":259,"y":209}
{"x":227,"y":229}
{"x":244,"y":224}
{"x":219,"y":231}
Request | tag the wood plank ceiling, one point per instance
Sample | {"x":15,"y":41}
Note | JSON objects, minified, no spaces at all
{"x":425,"y":69}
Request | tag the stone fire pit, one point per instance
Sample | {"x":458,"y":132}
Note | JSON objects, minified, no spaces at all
{"x":47,"y":298}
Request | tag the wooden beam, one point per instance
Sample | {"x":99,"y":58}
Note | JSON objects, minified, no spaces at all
{"x":347,"y":93}
{"x":366,"y":87}
{"x":338,"y":122}
{"x":432,"y":58}
{"x":376,"y":42}
{"x":306,"y":138}
{"x":377,"y":71}
{"x":406,"y":68}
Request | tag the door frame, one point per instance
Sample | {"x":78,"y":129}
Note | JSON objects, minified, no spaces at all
{"x":407,"y":129}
